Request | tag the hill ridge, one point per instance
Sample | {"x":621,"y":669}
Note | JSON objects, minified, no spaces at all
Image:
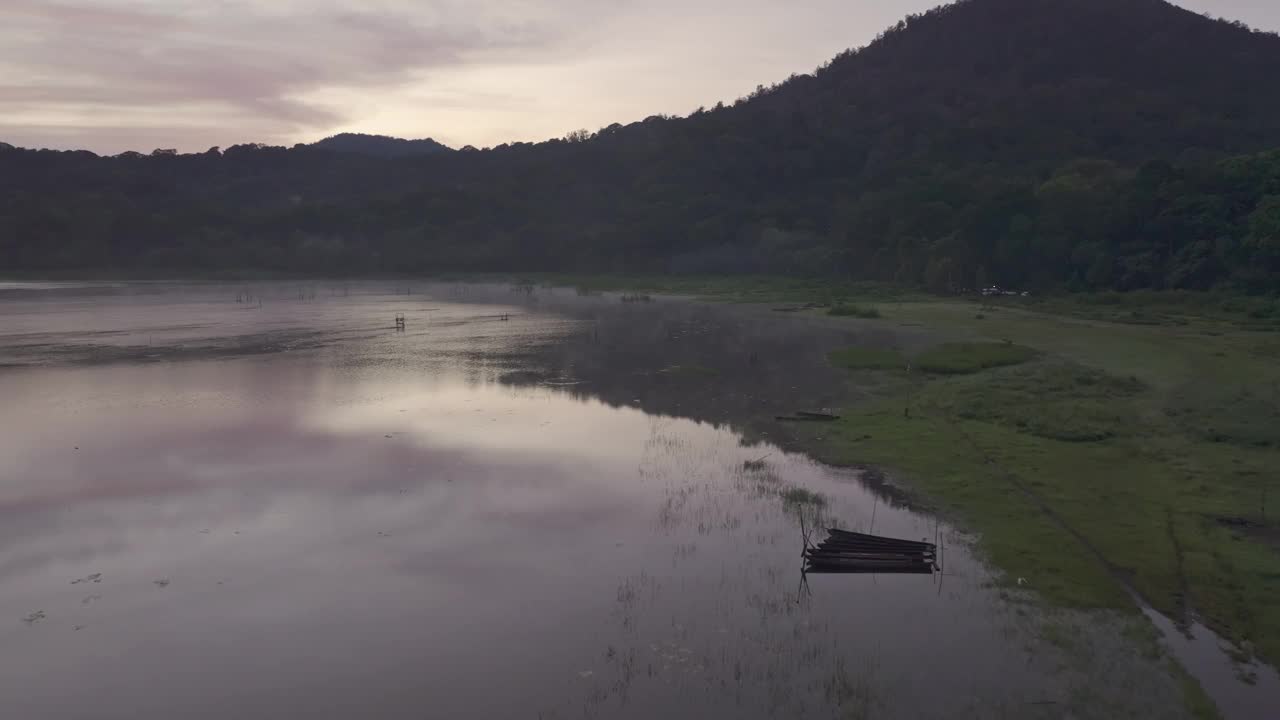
{"x":380,"y":145}
{"x":1044,"y":143}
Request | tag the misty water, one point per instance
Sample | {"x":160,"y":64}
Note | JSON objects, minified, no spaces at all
{"x":227,"y":501}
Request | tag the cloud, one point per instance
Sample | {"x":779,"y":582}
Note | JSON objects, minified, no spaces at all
{"x":170,"y":67}
{"x":101,"y":17}
{"x":112,"y":75}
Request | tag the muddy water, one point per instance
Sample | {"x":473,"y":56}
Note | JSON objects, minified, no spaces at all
{"x":264,"y":502}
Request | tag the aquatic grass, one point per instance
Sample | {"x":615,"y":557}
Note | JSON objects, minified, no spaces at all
{"x":958,"y":358}
{"x":796,"y":496}
{"x":807,"y":507}
{"x":758,"y":480}
{"x":853,"y":694}
{"x":764,"y":482}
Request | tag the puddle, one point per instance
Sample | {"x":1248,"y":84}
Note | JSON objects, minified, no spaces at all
{"x":1241,"y":692}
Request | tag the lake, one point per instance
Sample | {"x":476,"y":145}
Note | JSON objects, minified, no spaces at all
{"x":265,"y":501}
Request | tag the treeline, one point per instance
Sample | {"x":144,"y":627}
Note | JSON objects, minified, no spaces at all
{"x":1091,"y":225}
{"x":1113,"y":144}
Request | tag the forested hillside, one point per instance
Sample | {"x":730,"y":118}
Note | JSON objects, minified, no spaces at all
{"x":1032,"y":143}
{"x":379,"y":145}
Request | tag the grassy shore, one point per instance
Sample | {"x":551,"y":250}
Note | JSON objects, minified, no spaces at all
{"x":1091,"y":453}
{"x":1092,"y":441}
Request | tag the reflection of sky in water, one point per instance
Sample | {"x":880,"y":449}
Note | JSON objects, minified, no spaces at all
{"x":371,"y":530}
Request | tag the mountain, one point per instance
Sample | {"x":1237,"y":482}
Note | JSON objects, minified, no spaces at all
{"x":1031,"y":143}
{"x":380,"y":145}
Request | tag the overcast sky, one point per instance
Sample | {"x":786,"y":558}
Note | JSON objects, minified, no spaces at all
{"x":114,"y":75}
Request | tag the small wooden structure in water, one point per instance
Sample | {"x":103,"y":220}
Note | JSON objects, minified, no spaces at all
{"x":399,"y":321}
{"x":851,"y":552}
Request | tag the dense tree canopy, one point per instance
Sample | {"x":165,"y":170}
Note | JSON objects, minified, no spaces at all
{"x":380,"y":145}
{"x":1083,"y":143}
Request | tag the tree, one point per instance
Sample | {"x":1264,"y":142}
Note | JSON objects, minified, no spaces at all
{"x":980,"y":279}
{"x":1264,"y":231}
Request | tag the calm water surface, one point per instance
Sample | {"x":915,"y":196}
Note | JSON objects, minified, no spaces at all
{"x":222,"y":509}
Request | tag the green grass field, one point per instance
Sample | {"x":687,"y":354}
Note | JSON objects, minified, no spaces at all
{"x":1090,"y":451}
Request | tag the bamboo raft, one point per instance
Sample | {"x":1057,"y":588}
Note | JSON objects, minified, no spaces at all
{"x":850,"y":552}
